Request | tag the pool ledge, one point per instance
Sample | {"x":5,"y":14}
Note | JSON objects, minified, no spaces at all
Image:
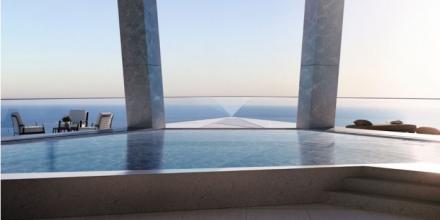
{"x":125,"y":192}
{"x":386,"y":134}
{"x":420,"y":167}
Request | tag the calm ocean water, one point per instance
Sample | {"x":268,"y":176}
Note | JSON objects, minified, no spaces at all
{"x":48,"y":112}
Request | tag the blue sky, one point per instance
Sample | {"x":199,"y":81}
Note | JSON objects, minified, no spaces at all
{"x":65,"y":48}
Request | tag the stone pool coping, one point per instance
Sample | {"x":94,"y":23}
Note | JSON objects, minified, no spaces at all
{"x":420,"y":167}
{"x":386,"y":134}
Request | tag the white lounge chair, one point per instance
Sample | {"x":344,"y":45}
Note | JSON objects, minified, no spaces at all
{"x":21,"y":129}
{"x":103,"y":122}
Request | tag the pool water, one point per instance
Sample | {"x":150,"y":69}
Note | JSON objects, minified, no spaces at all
{"x":186,"y":149}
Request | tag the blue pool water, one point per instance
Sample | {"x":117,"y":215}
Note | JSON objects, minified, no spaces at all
{"x":184,"y":149}
{"x":48,"y":112}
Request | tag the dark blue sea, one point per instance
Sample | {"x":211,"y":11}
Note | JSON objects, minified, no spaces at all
{"x":421,"y":112}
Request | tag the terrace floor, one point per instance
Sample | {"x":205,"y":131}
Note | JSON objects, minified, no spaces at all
{"x":297,"y":212}
{"x":231,"y":122}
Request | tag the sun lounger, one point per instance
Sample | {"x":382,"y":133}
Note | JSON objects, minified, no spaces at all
{"x":364,"y":124}
{"x":21,"y":129}
{"x":103,"y":122}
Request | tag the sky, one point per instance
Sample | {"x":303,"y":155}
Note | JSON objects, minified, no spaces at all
{"x":66,"y":48}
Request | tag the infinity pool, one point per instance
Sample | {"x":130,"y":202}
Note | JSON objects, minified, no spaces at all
{"x":186,"y":149}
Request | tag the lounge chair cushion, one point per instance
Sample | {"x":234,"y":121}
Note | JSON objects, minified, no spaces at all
{"x":388,"y":127}
{"x":362,"y":122}
{"x":428,"y":130}
{"x":74,"y":125}
{"x":32,"y":129}
{"x":88,"y":128}
{"x":396,"y":122}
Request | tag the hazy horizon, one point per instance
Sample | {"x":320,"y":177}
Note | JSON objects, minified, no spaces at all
{"x":71,"y":49}
{"x":221,"y":96}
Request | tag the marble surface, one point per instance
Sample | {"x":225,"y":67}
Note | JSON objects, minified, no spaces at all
{"x":138,"y":23}
{"x":409,"y":190}
{"x":320,"y":63}
{"x":137,"y":193}
{"x":407,"y":207}
{"x":322,"y":32}
{"x":140,"y":192}
{"x":317,"y":97}
{"x":402,"y":192}
{"x":389,"y":134}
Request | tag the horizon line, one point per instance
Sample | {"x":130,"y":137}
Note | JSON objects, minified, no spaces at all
{"x":238,"y":96}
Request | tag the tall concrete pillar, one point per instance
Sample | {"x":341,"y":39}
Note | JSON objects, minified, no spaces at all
{"x":139,"y":30}
{"x":320,"y":63}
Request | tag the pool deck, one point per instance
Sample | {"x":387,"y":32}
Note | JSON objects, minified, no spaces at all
{"x":232,"y":122}
{"x":297,"y":212}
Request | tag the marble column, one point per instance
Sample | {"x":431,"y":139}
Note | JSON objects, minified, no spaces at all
{"x":320,"y":63}
{"x":138,"y":23}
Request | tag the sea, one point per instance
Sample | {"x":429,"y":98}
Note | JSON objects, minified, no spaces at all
{"x":421,"y":112}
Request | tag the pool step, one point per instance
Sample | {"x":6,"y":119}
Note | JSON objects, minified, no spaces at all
{"x":388,"y":204}
{"x":409,"y":190}
{"x":402,"y":175}
{"x":398,"y":192}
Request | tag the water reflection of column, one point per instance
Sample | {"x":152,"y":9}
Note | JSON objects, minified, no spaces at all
{"x":51,"y":156}
{"x":144,"y":152}
{"x":316,"y":148}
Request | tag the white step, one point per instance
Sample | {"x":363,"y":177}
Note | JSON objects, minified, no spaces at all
{"x":388,"y":204}
{"x":402,"y":175}
{"x":410,"y":190}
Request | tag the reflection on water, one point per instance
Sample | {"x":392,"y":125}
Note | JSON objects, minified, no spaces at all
{"x":316,"y":148}
{"x":186,"y":149}
{"x":51,"y":156}
{"x":144,"y":152}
